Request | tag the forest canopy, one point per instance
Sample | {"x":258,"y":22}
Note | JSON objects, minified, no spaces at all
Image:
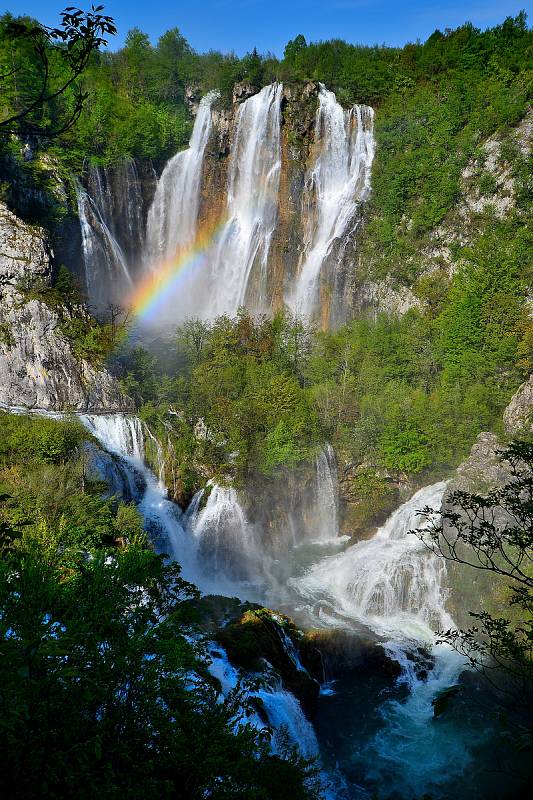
{"x":136,"y":95}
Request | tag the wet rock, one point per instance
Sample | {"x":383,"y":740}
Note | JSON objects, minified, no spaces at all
{"x":344,"y":652}
{"x":242,"y":91}
{"x":368,"y":495}
{"x":482,"y":470}
{"x":261,"y":635}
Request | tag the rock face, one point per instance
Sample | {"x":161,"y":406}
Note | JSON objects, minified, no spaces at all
{"x":37,"y":365}
{"x":518,"y":416}
{"x":482,"y":469}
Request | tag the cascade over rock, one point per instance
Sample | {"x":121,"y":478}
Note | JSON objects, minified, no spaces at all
{"x":38,"y":367}
{"x":261,"y":209}
{"x":173,"y":215}
{"x":112,"y":207}
{"x":336,"y":185}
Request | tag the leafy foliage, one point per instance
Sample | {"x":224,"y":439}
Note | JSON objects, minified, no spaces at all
{"x":39,"y":81}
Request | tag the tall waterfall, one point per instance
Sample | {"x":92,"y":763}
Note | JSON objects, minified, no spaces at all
{"x":173,"y":215}
{"x":110,"y":209}
{"x":238,"y":273}
{"x":336,"y":186}
{"x":233,"y":263}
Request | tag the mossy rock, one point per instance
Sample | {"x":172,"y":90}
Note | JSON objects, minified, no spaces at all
{"x":261,"y":635}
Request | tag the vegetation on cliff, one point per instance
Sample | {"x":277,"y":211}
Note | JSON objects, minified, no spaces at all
{"x":241,"y":399}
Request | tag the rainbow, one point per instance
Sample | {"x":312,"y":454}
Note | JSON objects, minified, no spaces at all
{"x":163,"y":280}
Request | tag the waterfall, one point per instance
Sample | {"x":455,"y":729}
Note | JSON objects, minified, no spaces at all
{"x":173,"y":215}
{"x":111,"y":223}
{"x":107,"y":276}
{"x":226,"y":543}
{"x":238,"y":267}
{"x":116,"y":193}
{"x":391,"y":582}
{"x":327,"y":492}
{"x":119,"y":434}
{"x":160,"y":456}
{"x":281,"y":708}
{"x":123,"y":436}
{"x":335,"y":187}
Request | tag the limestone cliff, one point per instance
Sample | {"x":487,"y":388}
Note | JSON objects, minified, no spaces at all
{"x":38,"y":367}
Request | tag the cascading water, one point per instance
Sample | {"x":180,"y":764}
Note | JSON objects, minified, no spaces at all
{"x":104,"y":262}
{"x":327,"y":491}
{"x":227,"y":549}
{"x":335,"y":188}
{"x":391,"y":582}
{"x":238,"y":268}
{"x":117,"y":194}
{"x":282,"y":709}
{"x":123,"y":436}
{"x":111,"y":222}
{"x":221,"y":517}
{"x":233,"y":267}
{"x":173,"y":215}
{"x":393,"y":585}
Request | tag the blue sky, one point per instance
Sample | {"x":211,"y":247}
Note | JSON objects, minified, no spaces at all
{"x":240,"y":25}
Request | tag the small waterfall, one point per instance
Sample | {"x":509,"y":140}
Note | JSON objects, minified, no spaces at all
{"x":173,"y":215}
{"x":159,"y":454}
{"x":119,"y":434}
{"x":239,"y":262}
{"x":281,"y":708}
{"x":123,"y":436}
{"x":335,"y":188}
{"x":107,"y":276}
{"x":285,"y":715}
{"x":327,"y":495}
{"x":226,"y":543}
{"x":117,"y":194}
{"x":192,"y":510}
{"x":110,"y":209}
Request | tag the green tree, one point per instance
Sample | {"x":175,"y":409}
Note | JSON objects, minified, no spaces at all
{"x":45,"y":67}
